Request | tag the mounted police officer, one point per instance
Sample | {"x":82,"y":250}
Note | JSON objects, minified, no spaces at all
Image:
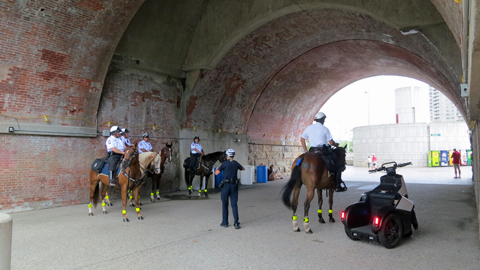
{"x":321,"y":141}
{"x":196,"y":151}
{"x":115,"y":150}
{"x":145,"y":145}
{"x":124,"y":136}
{"x":229,"y":186}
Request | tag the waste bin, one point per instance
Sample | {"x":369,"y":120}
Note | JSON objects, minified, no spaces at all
{"x":262,"y":174}
{"x":247,"y":176}
{"x":429,"y":158}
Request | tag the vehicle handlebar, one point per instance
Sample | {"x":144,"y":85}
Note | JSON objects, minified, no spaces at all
{"x":395,"y":165}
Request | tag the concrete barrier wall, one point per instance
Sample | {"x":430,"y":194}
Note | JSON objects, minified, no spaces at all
{"x":5,"y":241}
{"x":280,"y":154}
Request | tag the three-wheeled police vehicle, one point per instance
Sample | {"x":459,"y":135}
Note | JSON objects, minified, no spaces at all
{"x":384,"y":214}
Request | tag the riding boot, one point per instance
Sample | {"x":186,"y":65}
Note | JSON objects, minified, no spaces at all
{"x":112,"y":181}
{"x":339,"y":182}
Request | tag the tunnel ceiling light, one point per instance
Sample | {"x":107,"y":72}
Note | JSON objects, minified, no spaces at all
{"x":45,"y":118}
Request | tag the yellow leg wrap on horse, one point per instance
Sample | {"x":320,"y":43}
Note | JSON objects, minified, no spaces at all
{"x":131,"y":197}
{"x":330,"y":211}
{"x":139,"y":196}
{"x":89,"y":205}
{"x":319,"y":211}
{"x":199,"y":191}
{"x":205,"y":190}
{"x":137,"y":209}
{"x":151,"y":194}
{"x":128,"y":190}
{"x":103,"y":204}
{"x":106,"y":197}
{"x":305,"y":219}
{"x":124,"y":212}
{"x":294,"y":218}
{"x":158,"y":192}
{"x":190,"y":188}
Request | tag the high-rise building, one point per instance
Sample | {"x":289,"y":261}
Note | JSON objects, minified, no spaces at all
{"x":441,"y":108}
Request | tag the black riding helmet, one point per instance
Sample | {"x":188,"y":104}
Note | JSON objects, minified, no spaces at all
{"x":196,"y":137}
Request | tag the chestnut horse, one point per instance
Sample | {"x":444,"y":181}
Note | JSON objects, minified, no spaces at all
{"x":130,"y":163}
{"x":204,"y":170}
{"x":309,"y":169}
{"x":166,"y":155}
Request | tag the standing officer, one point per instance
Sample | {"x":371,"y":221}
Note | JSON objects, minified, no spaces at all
{"x":229,"y":187}
{"x":145,"y":145}
{"x":115,"y":150}
{"x":196,"y":151}
{"x":124,"y":133}
{"x":320,"y":139}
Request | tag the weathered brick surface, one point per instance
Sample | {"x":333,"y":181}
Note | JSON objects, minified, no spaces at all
{"x":280,"y":156}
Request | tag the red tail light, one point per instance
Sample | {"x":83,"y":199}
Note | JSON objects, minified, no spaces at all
{"x":376,"y":221}
{"x":342,"y":215}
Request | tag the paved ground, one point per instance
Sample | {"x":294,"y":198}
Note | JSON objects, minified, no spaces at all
{"x":185,"y":234}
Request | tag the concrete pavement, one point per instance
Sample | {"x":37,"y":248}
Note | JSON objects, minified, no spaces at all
{"x":185,"y":234}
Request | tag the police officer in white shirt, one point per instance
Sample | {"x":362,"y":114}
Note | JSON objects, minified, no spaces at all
{"x":124,"y":133}
{"x":320,"y":140}
{"x":196,"y":151}
{"x":115,"y":150}
{"x":145,"y":146}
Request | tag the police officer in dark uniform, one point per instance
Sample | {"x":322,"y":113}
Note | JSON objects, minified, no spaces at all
{"x":229,"y":187}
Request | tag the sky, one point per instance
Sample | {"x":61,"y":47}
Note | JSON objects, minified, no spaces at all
{"x":352,"y":107}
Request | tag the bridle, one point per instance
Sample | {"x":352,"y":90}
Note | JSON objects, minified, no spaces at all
{"x":127,"y":163}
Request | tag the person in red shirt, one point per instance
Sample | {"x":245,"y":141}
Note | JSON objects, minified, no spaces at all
{"x":374,"y":162}
{"x":456,"y":160}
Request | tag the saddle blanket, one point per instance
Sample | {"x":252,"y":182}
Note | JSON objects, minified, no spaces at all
{"x":105,"y":170}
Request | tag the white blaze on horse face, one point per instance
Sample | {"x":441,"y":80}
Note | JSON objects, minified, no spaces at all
{"x":157,"y":161}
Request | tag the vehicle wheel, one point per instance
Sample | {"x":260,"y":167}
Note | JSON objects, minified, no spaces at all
{"x":392,"y":231}
{"x":350,"y":234}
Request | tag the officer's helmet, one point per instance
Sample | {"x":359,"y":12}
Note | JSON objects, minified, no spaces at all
{"x":230,"y":152}
{"x":145,"y":135}
{"x":320,"y":115}
{"x":196,"y":137}
{"x":114,"y":129}
{"x":124,"y":130}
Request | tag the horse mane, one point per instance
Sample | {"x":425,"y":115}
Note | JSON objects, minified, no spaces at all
{"x":214,"y":154}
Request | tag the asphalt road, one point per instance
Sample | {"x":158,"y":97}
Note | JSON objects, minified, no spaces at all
{"x":183,"y":232}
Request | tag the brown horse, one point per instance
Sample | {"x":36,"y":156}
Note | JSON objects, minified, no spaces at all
{"x":309,"y":169}
{"x":96,"y":178}
{"x":166,"y":155}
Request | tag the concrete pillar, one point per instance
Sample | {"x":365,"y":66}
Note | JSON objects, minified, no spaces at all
{"x":5,"y":241}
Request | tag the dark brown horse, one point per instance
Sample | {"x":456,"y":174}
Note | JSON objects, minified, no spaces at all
{"x":309,"y":169}
{"x":204,"y":170}
{"x":166,"y":155}
{"x":130,"y":163}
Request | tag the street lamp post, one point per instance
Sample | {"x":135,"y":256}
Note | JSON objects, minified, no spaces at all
{"x":368,"y":105}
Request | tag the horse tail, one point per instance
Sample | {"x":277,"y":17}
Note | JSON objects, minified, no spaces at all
{"x":288,"y":188}
{"x":96,"y":195}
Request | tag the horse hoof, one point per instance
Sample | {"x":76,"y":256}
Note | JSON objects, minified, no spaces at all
{"x":309,"y":232}
{"x":105,"y":212}
{"x":297,"y":230}
{"x":110,"y":204}
{"x":152,"y":200}
{"x":189,"y":192}
{"x":321,"y":220}
{"x":332,"y":220}
{"x":141,"y":203}
{"x":132,"y":205}
{"x":126,"y":220}
{"x":140,"y":218}
{"x":90,"y":214}
{"x":206,"y":196}
{"x":159,"y":198}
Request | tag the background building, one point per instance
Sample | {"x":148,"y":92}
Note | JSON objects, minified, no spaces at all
{"x":414,"y":135}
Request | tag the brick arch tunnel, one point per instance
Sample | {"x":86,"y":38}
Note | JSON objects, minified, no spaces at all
{"x":111,"y":67}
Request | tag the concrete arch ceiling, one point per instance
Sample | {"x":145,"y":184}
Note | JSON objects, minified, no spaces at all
{"x":274,"y":80}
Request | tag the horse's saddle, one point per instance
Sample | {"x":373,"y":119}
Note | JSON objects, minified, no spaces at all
{"x":188,"y":161}
{"x":326,"y":153}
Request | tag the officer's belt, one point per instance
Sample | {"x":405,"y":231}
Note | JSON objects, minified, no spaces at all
{"x":232,"y":181}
